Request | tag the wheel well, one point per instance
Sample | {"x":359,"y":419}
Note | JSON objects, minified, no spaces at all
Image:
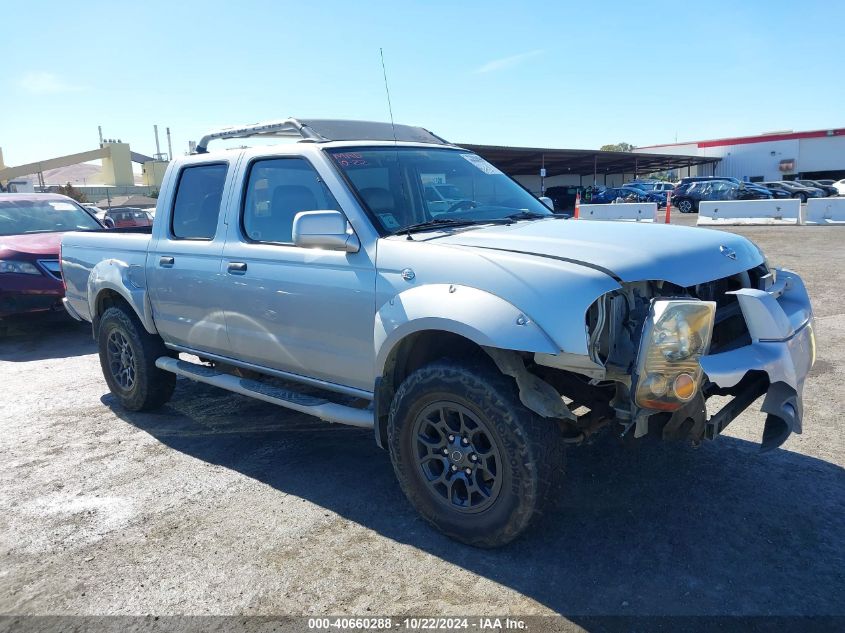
{"x":105,"y":300}
{"x":411,"y":353}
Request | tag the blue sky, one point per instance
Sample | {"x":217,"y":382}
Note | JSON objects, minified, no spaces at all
{"x":550,"y":74}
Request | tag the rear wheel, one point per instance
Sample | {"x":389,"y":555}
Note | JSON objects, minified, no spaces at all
{"x":684,"y":205}
{"x":802,"y":197}
{"x":469,"y":456}
{"x":127,"y":356}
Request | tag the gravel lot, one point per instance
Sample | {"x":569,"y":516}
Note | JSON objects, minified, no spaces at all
{"x":223,"y":505}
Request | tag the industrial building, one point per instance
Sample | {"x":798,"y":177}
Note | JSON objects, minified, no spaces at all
{"x":115,"y":177}
{"x":774,"y":156}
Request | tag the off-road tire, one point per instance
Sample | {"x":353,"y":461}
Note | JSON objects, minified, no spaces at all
{"x":531,"y":449}
{"x":152,"y":386}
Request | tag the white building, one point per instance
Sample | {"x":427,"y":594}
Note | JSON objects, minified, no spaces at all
{"x":774,"y":156}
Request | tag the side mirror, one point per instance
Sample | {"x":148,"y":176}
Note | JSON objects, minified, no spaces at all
{"x":324,"y":229}
{"x":548,"y":202}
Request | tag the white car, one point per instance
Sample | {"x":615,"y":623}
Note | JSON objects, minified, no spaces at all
{"x":840,"y":186}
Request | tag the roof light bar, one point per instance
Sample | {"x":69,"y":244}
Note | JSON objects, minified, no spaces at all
{"x":286,"y":128}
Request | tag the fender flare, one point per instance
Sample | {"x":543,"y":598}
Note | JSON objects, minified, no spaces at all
{"x":480,"y":316}
{"x":128,"y":282}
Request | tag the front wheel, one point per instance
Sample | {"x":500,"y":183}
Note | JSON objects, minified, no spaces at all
{"x":127,"y":357}
{"x":469,"y":456}
{"x":802,"y":197}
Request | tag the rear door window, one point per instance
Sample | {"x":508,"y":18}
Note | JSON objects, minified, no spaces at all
{"x":197,"y":205}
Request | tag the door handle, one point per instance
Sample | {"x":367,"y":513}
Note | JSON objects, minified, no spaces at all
{"x":166,"y":261}
{"x":236,"y":268}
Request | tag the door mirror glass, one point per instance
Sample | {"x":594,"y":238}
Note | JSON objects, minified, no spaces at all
{"x":324,"y":229}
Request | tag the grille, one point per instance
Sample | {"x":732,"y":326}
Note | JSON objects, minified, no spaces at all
{"x":729,"y":328}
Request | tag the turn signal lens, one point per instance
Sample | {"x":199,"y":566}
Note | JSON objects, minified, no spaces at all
{"x":684,"y":387}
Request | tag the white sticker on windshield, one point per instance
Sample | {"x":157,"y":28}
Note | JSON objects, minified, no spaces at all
{"x":482,"y":164}
{"x":63,"y":206}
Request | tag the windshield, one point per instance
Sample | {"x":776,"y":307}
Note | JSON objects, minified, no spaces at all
{"x":21,"y":216}
{"x":396,"y":185}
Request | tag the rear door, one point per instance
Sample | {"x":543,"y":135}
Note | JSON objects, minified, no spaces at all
{"x":184,"y":260}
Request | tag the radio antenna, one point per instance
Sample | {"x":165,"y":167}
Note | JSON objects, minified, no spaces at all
{"x":387,"y":90}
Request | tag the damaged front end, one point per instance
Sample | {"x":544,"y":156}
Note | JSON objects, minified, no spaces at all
{"x":658,"y":352}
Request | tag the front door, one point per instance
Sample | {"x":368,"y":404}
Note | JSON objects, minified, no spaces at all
{"x":305,"y":311}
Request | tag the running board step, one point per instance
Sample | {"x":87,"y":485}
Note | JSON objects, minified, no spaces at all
{"x":304,"y":403}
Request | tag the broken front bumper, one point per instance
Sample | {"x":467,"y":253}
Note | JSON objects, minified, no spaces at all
{"x":783,"y":347}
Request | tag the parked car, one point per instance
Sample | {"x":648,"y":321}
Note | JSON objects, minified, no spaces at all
{"x":457,"y":338}
{"x":795,"y":190}
{"x":691,"y":179}
{"x":96,"y":211}
{"x":563,"y":197}
{"x":620,"y":194}
{"x":651,"y":185}
{"x":687,"y":200}
{"x":829,"y":190}
{"x":126,"y":217}
{"x":840,"y":186}
{"x":31,"y":228}
{"x":780,"y":194}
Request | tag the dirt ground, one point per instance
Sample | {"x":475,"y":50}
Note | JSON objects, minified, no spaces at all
{"x":223,"y":505}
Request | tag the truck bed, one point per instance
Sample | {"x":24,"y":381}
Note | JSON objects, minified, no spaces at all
{"x":83,"y":250}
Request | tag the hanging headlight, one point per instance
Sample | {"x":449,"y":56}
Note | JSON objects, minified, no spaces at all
{"x":676,"y":334}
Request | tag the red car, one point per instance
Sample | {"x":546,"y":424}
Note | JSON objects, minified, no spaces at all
{"x":31,"y":227}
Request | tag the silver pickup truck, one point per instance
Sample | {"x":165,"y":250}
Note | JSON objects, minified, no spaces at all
{"x":477,"y":341}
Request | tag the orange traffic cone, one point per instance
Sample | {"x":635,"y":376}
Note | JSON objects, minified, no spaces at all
{"x":577,"y":205}
{"x":668,"y":205}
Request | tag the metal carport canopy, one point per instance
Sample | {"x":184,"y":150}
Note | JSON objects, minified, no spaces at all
{"x":527,"y":161}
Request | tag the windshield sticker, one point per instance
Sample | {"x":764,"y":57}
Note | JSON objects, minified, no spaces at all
{"x":63,"y":206}
{"x":388,"y":220}
{"x":482,"y":164}
{"x":350,"y":159}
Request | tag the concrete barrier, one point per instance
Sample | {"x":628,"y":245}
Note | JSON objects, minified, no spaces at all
{"x":625,"y":212}
{"x":825,"y":211}
{"x":744,"y":212}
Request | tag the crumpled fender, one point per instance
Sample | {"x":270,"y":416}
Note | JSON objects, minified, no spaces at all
{"x":479,"y":316}
{"x":126,"y":280}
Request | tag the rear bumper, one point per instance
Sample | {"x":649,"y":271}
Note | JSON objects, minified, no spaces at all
{"x":782,"y":352}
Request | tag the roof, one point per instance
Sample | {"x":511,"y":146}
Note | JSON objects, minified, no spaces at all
{"x":323,"y":130}
{"x":525,"y":161}
{"x":758,"y":138}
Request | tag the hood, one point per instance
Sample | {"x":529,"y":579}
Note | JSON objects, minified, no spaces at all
{"x":37,"y":244}
{"x":626,"y":251}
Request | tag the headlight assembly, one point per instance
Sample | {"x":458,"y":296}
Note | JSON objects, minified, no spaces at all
{"x":676,"y":334}
{"x":21,"y":268}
